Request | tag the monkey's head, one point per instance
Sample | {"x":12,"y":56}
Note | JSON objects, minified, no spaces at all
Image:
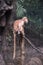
{"x":25,"y":19}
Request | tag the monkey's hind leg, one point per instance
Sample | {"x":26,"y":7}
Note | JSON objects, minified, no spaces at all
{"x":22,"y":50}
{"x":14,"y":53}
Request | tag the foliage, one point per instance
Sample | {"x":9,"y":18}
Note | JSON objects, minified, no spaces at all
{"x":20,"y":10}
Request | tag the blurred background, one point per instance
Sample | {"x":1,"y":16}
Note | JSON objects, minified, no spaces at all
{"x":11,"y":10}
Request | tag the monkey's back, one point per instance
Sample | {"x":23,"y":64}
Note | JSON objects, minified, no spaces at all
{"x":16,"y":25}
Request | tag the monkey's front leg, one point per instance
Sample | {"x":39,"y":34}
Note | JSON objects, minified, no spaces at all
{"x":14,"y":53}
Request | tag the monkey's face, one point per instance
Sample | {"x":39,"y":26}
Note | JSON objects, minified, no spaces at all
{"x":25,"y":19}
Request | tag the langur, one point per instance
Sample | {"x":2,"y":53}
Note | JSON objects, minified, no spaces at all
{"x":18,"y":27}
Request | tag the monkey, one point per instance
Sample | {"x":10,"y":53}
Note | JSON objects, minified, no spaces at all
{"x":18,"y":27}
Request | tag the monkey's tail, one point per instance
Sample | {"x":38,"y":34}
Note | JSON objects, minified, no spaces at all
{"x":33,"y":45}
